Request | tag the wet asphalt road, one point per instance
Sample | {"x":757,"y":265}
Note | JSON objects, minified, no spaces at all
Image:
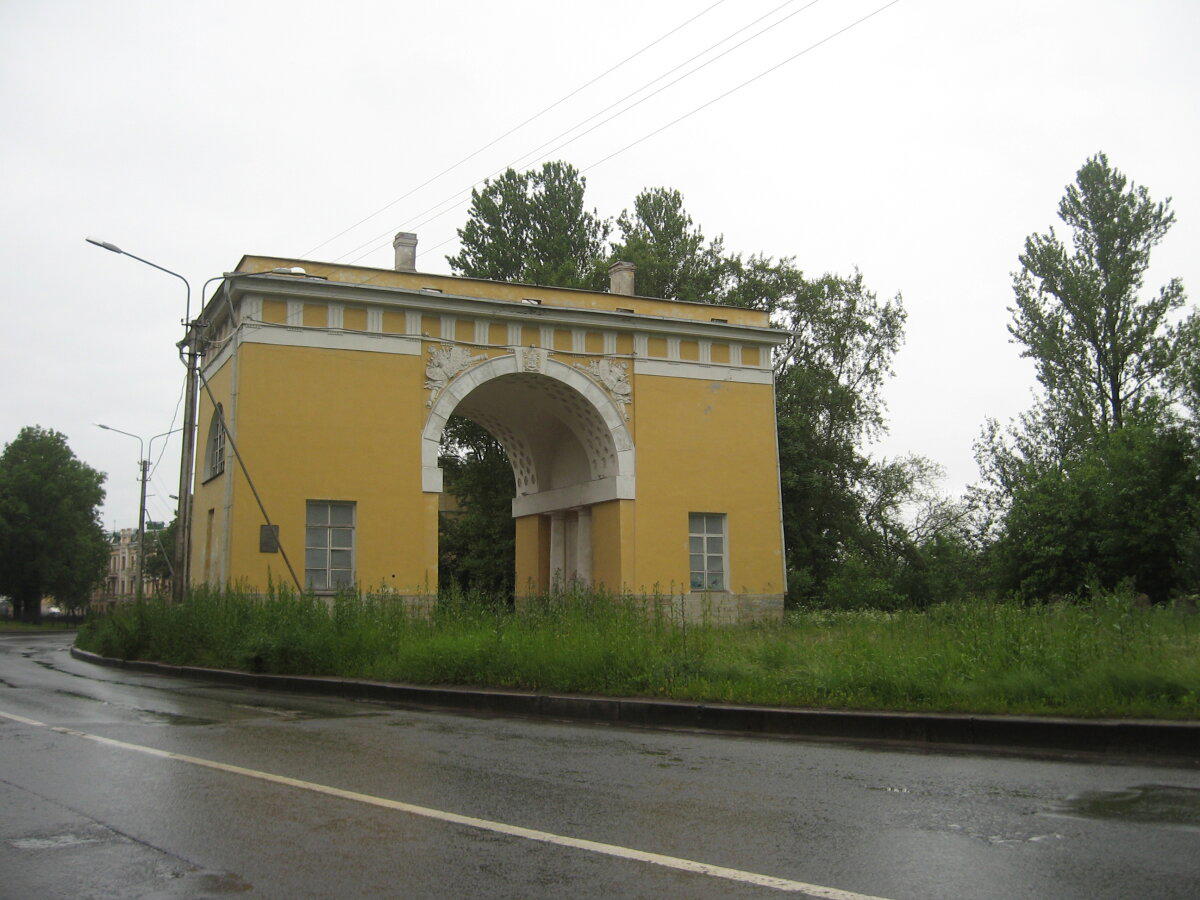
{"x":81,"y":818}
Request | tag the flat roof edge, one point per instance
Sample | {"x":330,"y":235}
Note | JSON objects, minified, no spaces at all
{"x":545,"y":287}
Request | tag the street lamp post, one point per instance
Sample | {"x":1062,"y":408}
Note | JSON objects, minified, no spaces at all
{"x":189,"y":352}
{"x":143,"y":470}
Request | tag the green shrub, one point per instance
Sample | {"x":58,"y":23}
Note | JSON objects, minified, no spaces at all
{"x":1123,"y":508}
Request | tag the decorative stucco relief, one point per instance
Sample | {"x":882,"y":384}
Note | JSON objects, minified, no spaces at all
{"x":532,"y":359}
{"x":613,"y":377}
{"x":444,"y":363}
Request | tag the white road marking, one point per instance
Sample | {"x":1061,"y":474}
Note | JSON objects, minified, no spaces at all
{"x":546,"y":837}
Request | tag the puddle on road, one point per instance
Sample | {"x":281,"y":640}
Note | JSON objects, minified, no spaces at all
{"x":145,"y":716}
{"x":1150,"y":804}
{"x":190,"y":881}
{"x":299,"y":714}
{"x":158,"y":717}
{"x":77,"y":695}
{"x":205,"y":884}
{"x":53,"y":841}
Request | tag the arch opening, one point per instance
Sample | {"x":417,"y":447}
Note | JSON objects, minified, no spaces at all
{"x":566,"y":439}
{"x":568,"y":447}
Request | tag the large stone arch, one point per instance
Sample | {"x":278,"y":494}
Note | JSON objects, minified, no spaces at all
{"x":565,"y":434}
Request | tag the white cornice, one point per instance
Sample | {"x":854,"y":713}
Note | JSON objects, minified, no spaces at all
{"x":704,"y":372}
{"x":329,"y":338}
{"x":284,"y":287}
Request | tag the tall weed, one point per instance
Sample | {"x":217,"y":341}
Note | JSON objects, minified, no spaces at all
{"x":1104,"y":657}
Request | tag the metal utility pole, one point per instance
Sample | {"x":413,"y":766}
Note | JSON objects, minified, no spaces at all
{"x":183,"y":515}
{"x":138,"y":590}
{"x":189,"y":352}
{"x":143,"y":476}
{"x":183,"y":527}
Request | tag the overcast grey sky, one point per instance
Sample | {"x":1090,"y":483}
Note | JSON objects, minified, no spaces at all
{"x":921,"y":146}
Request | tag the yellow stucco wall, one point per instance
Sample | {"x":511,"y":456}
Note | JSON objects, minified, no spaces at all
{"x":319,"y":424}
{"x":207,"y":552}
{"x":532,"y":554}
{"x":706,"y":447}
{"x":613,"y":530}
{"x":274,"y":311}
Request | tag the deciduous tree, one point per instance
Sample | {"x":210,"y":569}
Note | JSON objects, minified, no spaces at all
{"x":1122,"y":509}
{"x":476,"y":540}
{"x":160,"y":545}
{"x":51,"y":540}
{"x":828,"y":379}
{"x":1094,"y":483}
{"x":1103,"y":352}
{"x":532,"y":227}
{"x":674,"y":260}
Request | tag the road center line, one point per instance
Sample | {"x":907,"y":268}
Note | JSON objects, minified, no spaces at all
{"x":546,"y":837}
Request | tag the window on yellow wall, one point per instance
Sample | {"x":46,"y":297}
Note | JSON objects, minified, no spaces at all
{"x":214,"y":448}
{"x":707,"y":551}
{"x":329,"y":545}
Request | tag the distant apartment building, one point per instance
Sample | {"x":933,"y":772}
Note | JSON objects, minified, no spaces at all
{"x":121,"y":581}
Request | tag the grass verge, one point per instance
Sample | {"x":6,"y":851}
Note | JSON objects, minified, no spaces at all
{"x":1103,"y":658}
{"x":8,"y":627}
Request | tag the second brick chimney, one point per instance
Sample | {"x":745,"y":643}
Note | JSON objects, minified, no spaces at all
{"x":620,"y":278}
{"x":405,"y":245}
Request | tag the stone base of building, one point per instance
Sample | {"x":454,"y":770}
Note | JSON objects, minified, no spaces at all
{"x":723,"y":608}
{"x":419,"y":605}
{"x":700,"y":607}
{"x":696,"y":608}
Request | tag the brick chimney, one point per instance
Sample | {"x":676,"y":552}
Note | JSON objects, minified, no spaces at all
{"x":405,"y":245}
{"x":620,"y":278}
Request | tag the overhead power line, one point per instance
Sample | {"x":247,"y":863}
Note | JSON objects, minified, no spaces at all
{"x":170,"y":428}
{"x":518,"y":160}
{"x":160,"y":496}
{"x":745,"y":83}
{"x":517,"y":127}
{"x":710,"y":102}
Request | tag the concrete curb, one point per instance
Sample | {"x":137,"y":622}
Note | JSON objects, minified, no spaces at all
{"x":1132,"y":737}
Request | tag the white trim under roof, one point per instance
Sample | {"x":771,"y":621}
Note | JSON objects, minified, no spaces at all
{"x":504,"y":311}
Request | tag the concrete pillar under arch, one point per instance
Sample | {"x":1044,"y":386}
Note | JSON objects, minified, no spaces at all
{"x":570,"y":546}
{"x":583,"y":545}
{"x":558,"y":549}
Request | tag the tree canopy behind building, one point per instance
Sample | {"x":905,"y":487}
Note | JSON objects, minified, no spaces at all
{"x":837,"y":501}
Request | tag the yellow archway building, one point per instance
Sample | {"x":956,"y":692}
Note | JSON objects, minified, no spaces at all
{"x":641,"y":433}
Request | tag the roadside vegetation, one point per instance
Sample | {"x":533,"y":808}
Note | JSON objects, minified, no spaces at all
{"x":8,"y":626}
{"x":1097,"y":483}
{"x":1104,"y":656}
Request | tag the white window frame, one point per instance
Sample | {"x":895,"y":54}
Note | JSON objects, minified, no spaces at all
{"x":325,"y":543}
{"x":214,"y":448}
{"x":707,"y":555}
